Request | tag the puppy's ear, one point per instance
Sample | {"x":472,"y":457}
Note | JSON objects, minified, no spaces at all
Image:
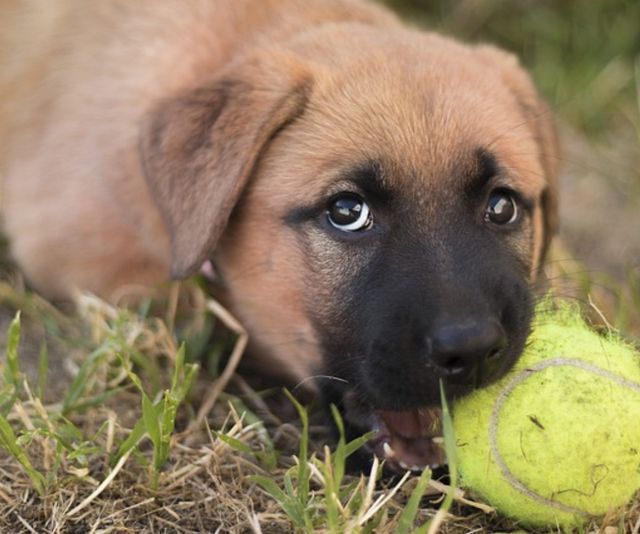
{"x":199,"y":148}
{"x":539,"y":119}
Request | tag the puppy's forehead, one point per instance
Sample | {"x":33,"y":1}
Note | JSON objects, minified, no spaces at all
{"x":424,"y":113}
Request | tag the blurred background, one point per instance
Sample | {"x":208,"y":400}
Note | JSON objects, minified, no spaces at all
{"x":585,"y":58}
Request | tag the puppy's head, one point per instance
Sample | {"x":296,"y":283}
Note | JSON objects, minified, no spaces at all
{"x":386,"y":201}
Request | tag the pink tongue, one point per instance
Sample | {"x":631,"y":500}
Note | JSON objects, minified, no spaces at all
{"x":411,"y":424}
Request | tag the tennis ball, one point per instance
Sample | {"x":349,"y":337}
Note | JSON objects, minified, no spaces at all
{"x":557,"y":440}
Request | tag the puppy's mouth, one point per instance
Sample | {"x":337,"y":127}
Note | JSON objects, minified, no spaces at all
{"x":409,"y":439}
{"x":405,"y":440}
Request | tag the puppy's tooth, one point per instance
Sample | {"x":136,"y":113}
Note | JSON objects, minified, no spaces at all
{"x":438,"y":440}
{"x":388,"y":451}
{"x":403,"y":465}
{"x":416,"y":468}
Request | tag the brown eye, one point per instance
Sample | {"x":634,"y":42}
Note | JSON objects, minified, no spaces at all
{"x":349,"y":213}
{"x":502,"y":208}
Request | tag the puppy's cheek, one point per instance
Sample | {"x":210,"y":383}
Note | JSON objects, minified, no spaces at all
{"x":332,"y":267}
{"x":517,"y":312}
{"x":334,"y":304}
{"x":264,"y":276}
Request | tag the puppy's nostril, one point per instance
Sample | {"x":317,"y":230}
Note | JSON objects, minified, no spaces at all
{"x":494,"y":354}
{"x":453,"y":365}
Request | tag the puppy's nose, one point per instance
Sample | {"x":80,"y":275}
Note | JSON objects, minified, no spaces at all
{"x":460,"y":349}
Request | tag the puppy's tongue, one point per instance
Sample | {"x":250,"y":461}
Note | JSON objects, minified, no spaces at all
{"x":412,"y":424}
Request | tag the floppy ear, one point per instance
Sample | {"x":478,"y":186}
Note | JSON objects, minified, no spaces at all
{"x":540,"y":121}
{"x":200,"y":147}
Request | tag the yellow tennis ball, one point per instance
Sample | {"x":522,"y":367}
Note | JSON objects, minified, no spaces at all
{"x":557,"y":440}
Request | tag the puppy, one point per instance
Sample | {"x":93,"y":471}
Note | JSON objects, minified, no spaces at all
{"x":377,"y":200}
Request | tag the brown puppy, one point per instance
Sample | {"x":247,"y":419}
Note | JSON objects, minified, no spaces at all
{"x":378,"y":200}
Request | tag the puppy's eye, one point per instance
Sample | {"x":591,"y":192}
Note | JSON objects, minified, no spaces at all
{"x":502,"y":208}
{"x":349,"y":213}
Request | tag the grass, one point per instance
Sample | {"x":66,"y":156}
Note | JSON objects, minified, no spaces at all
{"x":119,"y":450}
{"x":156,"y":431}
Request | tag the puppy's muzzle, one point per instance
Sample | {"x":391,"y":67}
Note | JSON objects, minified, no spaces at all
{"x":402,"y":375}
{"x":406,"y":362}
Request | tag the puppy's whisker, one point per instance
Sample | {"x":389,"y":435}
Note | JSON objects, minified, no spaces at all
{"x":331,"y":378}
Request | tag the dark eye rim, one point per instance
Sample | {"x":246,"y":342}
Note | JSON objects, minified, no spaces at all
{"x":369,"y":223}
{"x":520,"y":205}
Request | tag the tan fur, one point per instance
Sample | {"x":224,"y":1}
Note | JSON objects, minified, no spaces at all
{"x":106,"y":93}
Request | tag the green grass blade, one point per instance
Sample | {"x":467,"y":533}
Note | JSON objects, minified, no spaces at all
{"x":178,"y":369}
{"x":150,"y":418}
{"x":356,"y":443}
{"x":136,"y":380}
{"x":449,"y":441}
{"x":135,"y":436}
{"x":339,"y":455}
{"x":270,"y":486}
{"x":408,"y":517}
{"x":12,"y":371}
{"x":43,"y":367}
{"x":234,"y":443}
{"x":290,"y":505}
{"x":287,"y":480}
{"x":304,"y":473}
{"x":268,"y":456}
{"x":79,"y":383}
{"x":9,"y":442}
{"x":450,"y":450}
{"x":184,"y":385}
{"x":97,"y":400}
{"x":167,"y":424}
